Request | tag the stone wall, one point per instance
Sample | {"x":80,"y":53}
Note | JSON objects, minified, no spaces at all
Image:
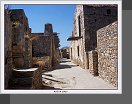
{"x":93,"y":63}
{"x":96,"y":17}
{"x":30,"y":78}
{"x":20,"y":45}
{"x":107,"y":46}
{"x":37,"y":78}
{"x":7,"y":47}
{"x":28,"y":53}
{"x":46,"y":44}
{"x":41,"y":46}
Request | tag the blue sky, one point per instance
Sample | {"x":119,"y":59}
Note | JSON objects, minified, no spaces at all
{"x":61,"y":17}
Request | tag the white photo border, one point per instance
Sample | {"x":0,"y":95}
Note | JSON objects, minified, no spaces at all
{"x":117,"y":91}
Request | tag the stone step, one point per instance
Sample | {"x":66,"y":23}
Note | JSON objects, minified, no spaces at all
{"x":22,"y":74}
{"x":21,"y":81}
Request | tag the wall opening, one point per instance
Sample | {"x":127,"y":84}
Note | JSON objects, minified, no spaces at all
{"x":71,"y":53}
{"x":79,"y":25}
{"x":78,"y":51}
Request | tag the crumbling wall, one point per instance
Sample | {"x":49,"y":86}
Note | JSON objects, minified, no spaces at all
{"x":37,"y":78}
{"x":7,"y":47}
{"x":46,"y":44}
{"x":107,"y":46}
{"x":41,"y":46}
{"x":20,"y":44}
{"x":28,"y":53}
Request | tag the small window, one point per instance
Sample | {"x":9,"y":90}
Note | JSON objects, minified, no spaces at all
{"x":79,"y":25}
{"x":108,"y":11}
{"x":71,"y":53}
{"x":78,"y":50}
{"x":95,"y":20}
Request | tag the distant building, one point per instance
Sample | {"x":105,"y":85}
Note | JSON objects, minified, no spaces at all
{"x":65,"y":52}
{"x":46,"y":44}
{"x":95,"y":29}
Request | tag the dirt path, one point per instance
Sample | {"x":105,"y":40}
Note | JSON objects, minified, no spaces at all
{"x":70,"y":76}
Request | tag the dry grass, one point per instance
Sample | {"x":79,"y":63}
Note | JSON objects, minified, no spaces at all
{"x":40,"y":60}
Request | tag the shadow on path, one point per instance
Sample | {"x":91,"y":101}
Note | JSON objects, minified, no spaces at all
{"x":50,"y":88}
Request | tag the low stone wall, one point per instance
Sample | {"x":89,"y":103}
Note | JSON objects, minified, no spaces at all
{"x":107,"y":46}
{"x":37,"y":78}
{"x":93,"y":63}
{"x":26,"y":78}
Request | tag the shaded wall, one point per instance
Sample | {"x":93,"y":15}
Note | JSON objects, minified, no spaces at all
{"x":7,"y":47}
{"x":20,"y":31}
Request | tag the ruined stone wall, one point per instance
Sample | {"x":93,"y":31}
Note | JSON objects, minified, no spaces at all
{"x":37,"y":78}
{"x":41,"y":46}
{"x":7,"y":47}
{"x":46,"y":44}
{"x":93,"y":62}
{"x":28,"y":53}
{"x":107,"y":46}
{"x":20,"y":31}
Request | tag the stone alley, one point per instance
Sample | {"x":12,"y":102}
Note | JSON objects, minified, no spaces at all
{"x":68,"y":75}
{"x":35,"y":60}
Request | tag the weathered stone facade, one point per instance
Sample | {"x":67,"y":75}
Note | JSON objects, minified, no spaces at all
{"x":21,"y":43}
{"x":7,"y":46}
{"x":84,"y":48}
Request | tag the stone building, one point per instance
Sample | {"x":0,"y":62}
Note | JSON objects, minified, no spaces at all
{"x":65,"y":52}
{"x":46,"y":45}
{"x":90,"y":23}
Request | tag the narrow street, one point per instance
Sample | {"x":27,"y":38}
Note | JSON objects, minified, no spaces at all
{"x":70,"y":76}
